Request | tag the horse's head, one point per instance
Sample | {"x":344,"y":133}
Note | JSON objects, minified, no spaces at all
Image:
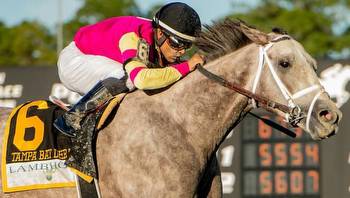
{"x":282,"y":72}
{"x":288,"y":76}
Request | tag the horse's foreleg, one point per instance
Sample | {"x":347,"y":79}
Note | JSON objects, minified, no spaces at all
{"x":216,"y":184}
{"x":210,"y":184}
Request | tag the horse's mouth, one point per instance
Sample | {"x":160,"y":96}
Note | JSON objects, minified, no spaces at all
{"x":324,"y":134}
{"x":319,"y":131}
{"x":333,"y":132}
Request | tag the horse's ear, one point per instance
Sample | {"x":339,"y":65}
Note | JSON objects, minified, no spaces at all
{"x":253,"y":34}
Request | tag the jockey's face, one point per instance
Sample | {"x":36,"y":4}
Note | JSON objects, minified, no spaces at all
{"x":170,"y":53}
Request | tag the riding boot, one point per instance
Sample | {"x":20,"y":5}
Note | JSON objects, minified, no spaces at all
{"x":103,"y":91}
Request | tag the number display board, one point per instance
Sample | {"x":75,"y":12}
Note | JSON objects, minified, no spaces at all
{"x":275,"y":165}
{"x":268,"y":163}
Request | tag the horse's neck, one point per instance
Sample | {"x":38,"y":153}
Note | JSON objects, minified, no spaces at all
{"x":205,"y":109}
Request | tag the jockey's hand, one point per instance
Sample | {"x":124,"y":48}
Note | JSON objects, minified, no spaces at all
{"x":194,"y":60}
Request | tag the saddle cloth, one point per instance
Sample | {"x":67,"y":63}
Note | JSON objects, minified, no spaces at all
{"x":31,"y":157}
{"x":34,"y":154}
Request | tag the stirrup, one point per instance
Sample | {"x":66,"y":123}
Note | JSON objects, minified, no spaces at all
{"x":98,"y":95}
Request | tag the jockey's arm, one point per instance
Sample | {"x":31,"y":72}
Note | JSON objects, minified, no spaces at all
{"x":148,"y":78}
{"x":155,"y":78}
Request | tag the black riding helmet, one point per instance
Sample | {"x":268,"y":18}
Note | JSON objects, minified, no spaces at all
{"x":179,"y":22}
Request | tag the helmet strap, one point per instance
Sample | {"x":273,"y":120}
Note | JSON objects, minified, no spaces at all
{"x":160,"y":58}
{"x":161,"y":40}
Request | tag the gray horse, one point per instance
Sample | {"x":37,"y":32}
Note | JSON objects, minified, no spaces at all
{"x":164,"y":144}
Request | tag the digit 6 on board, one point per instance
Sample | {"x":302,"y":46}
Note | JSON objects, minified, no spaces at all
{"x":23,"y":122}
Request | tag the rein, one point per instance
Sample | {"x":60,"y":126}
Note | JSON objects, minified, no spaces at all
{"x":292,"y":111}
{"x":262,"y":101}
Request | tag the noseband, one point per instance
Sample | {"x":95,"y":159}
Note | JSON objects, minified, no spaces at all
{"x":292,"y":111}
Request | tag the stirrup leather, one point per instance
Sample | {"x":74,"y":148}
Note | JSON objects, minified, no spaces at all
{"x":69,"y":122}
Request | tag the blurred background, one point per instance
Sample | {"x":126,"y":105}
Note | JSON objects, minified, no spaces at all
{"x":256,"y":160}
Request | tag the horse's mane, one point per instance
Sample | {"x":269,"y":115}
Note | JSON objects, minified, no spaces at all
{"x":223,"y":37}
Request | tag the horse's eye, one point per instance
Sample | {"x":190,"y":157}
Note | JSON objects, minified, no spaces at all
{"x":284,"y":64}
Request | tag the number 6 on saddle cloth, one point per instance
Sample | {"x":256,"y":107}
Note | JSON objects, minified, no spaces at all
{"x":33,"y":148}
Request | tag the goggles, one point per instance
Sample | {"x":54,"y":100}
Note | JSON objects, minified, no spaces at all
{"x":178,"y":44}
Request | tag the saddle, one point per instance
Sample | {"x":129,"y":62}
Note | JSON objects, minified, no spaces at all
{"x":82,"y":156}
{"x":36,"y":155}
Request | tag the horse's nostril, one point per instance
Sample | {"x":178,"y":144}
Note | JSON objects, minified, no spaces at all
{"x":327,"y":115}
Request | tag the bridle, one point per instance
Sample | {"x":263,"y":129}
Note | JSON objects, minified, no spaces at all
{"x":292,"y":111}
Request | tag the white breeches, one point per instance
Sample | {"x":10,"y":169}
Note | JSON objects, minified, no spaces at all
{"x":80,"y":72}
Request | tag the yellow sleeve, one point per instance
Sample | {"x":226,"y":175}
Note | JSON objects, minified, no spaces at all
{"x":128,"y":45}
{"x":128,"y":41}
{"x":151,"y":78}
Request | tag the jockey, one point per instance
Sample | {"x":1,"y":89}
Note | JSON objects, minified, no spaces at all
{"x":120,"y":54}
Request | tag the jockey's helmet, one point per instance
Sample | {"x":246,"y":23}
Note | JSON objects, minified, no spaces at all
{"x":179,"y":21}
